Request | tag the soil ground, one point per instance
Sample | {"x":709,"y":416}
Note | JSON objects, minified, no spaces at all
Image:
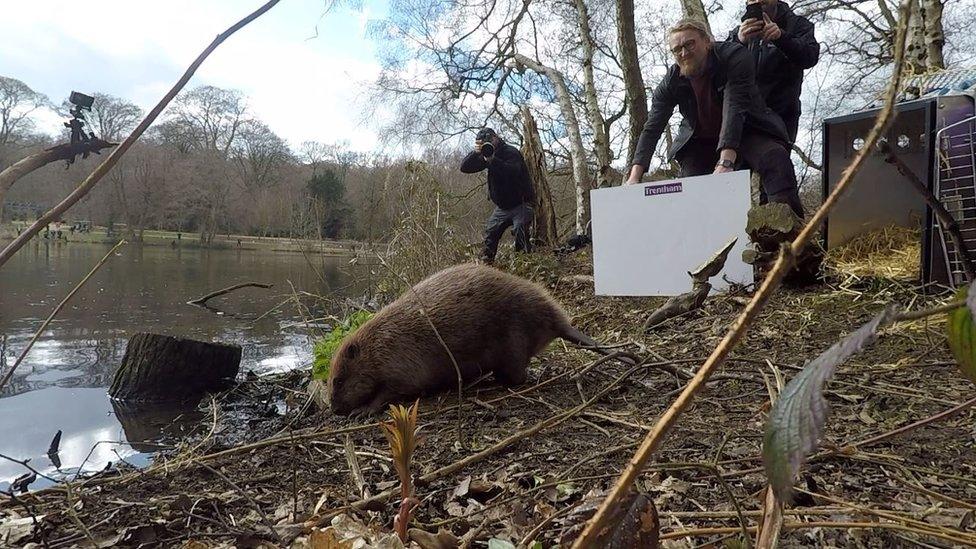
{"x":917,"y":489}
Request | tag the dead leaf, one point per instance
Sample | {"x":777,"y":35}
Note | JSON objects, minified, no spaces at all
{"x":444,"y":539}
{"x":455,"y":509}
{"x":15,"y":529}
{"x":462,"y":488}
{"x":327,"y":539}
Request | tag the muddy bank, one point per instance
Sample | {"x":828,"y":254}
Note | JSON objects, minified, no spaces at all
{"x":264,"y":467}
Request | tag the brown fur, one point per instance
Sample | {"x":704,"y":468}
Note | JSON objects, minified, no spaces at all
{"x":491,"y":321}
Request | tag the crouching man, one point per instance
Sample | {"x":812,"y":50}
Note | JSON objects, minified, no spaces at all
{"x":725,"y":124}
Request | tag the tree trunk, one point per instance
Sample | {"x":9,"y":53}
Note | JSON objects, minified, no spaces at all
{"x":576,"y":151}
{"x":695,"y":9}
{"x":916,"y":53}
{"x":544,"y":226}
{"x":159,"y":368}
{"x":934,"y":34}
{"x":633,"y":80}
{"x":601,"y":142}
{"x":32,"y":162}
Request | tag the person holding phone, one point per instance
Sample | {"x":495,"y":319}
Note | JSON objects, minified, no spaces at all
{"x":725,"y":123}
{"x":509,"y":188}
{"x":782,"y":45}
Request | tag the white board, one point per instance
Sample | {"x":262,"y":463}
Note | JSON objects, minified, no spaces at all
{"x":647,"y":237}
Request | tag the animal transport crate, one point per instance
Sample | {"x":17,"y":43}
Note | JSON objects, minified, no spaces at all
{"x":935,"y":136}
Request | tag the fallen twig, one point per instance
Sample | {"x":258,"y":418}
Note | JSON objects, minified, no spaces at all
{"x":202,"y":301}
{"x":502,"y":444}
{"x":816,"y":524}
{"x":247,"y":496}
{"x":901,"y":430}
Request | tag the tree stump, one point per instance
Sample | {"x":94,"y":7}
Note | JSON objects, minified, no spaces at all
{"x":770,"y":226}
{"x":159,"y":368}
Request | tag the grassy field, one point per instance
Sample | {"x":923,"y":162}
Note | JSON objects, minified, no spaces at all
{"x":192,"y":240}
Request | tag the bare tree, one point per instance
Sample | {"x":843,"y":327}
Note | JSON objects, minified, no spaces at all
{"x":17,"y":103}
{"x":636,"y":95}
{"x":577,"y":152}
{"x":211,"y":117}
{"x":601,"y":142}
{"x":111,"y":117}
{"x":258,"y":154}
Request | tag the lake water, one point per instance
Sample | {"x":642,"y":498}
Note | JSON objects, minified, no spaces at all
{"x":61,"y":383}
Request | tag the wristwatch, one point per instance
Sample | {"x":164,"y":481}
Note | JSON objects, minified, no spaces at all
{"x":725,"y":163}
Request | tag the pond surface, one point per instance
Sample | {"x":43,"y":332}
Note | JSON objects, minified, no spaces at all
{"x":61,"y":383}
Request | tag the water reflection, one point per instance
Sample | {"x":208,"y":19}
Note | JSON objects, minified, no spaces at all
{"x":85,"y":417}
{"x":61,"y":383}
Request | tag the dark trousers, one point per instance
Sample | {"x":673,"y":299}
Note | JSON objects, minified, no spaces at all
{"x":765,"y":155}
{"x":519,"y":217}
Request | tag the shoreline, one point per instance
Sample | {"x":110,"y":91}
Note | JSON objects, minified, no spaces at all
{"x":174,"y":239}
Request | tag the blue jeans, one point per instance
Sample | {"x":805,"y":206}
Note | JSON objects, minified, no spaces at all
{"x":519,"y":218}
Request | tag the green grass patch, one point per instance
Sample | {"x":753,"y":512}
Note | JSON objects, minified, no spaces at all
{"x":327,"y":346}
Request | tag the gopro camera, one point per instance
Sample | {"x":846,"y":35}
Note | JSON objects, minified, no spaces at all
{"x":81,"y":100}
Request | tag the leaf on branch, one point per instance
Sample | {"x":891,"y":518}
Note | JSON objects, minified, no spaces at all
{"x":798,"y":416}
{"x":962,"y":334}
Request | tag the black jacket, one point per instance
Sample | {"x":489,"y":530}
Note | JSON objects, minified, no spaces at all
{"x":780,"y":64}
{"x":743,"y":110}
{"x":508,"y":177}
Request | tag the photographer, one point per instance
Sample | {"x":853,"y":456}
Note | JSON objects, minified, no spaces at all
{"x":782,"y":45}
{"x":509,"y":188}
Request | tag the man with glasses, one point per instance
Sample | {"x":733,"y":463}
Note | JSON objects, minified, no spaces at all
{"x":725,"y":123}
{"x":782,"y":45}
{"x":509,"y":188}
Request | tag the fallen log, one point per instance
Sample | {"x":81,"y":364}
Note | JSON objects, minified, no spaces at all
{"x":159,"y":368}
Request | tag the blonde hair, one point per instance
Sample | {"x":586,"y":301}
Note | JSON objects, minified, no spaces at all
{"x":689,"y":23}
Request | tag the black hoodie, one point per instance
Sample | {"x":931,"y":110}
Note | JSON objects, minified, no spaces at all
{"x":780,"y":64}
{"x":508,"y":177}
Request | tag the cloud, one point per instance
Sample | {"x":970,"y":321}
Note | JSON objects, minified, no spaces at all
{"x":302,"y":87}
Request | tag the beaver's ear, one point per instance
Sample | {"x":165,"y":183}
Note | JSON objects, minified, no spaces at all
{"x":352,"y":351}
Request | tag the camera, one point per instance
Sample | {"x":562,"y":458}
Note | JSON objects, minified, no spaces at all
{"x":81,"y":100}
{"x":753,"y":11}
{"x":487,"y":149}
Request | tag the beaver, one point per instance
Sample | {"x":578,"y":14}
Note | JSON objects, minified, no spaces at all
{"x":491,"y":321}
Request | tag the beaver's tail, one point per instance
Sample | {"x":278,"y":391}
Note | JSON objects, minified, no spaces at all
{"x":571,"y":334}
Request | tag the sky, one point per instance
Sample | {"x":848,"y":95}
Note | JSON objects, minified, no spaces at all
{"x":303,"y":69}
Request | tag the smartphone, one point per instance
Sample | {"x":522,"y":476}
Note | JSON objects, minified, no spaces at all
{"x":753,"y":11}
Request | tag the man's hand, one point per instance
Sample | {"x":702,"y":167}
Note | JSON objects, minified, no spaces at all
{"x":751,"y":29}
{"x":477,"y":145}
{"x":726,"y":154}
{"x":636,"y":172}
{"x":771,"y":31}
